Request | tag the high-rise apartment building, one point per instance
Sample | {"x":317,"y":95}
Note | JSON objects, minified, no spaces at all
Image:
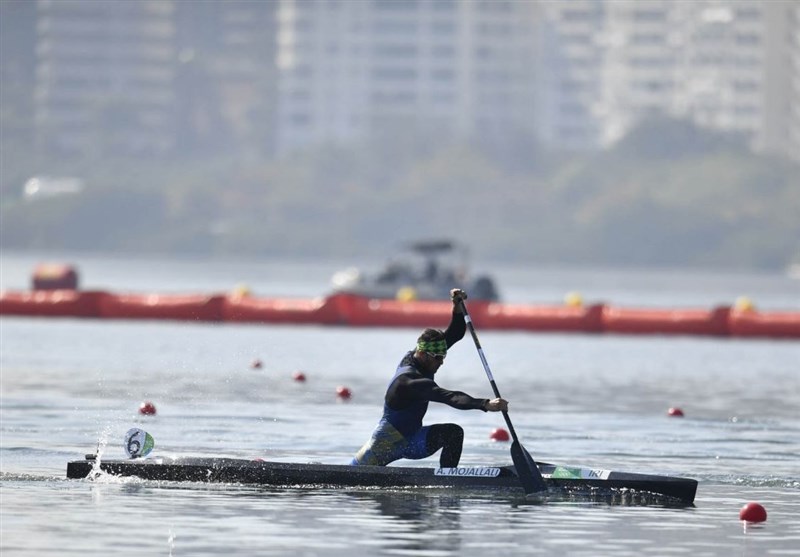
{"x":793,"y":116}
{"x":174,"y":77}
{"x":355,"y":70}
{"x":781,"y":117}
{"x":149,"y":77}
{"x":17,"y":76}
{"x":573,"y":99}
{"x":225,"y":76}
{"x":105,"y":76}
{"x":724,"y":64}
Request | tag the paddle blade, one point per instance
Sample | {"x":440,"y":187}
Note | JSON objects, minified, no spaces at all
{"x":529,"y":474}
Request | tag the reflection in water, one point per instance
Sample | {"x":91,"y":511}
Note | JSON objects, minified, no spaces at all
{"x":431,"y":522}
{"x":425,"y":522}
{"x":601,"y":497}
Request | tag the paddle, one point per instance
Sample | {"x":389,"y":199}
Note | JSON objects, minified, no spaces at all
{"x":529,"y":474}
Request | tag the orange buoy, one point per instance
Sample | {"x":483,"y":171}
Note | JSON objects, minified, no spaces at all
{"x":147,"y":408}
{"x":753,"y":512}
{"x":299,"y":376}
{"x":675,"y":413}
{"x":499,"y":434}
{"x":343,"y":392}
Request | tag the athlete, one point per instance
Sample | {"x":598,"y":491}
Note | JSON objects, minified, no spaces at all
{"x":400,"y":433}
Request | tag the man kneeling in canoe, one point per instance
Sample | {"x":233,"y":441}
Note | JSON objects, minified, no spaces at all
{"x":400,"y":433}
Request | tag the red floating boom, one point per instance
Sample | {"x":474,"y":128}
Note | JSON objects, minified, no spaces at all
{"x":350,"y":310}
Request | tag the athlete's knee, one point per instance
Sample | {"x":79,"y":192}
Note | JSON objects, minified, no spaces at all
{"x":452,"y":440}
{"x":455,"y":432}
{"x":445,"y":435}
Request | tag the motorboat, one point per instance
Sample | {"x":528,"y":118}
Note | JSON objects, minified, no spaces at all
{"x":425,"y":270}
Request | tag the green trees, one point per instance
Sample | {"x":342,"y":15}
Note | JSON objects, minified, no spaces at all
{"x":668,"y":194}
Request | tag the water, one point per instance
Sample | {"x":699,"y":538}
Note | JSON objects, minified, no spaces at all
{"x":597,"y":401}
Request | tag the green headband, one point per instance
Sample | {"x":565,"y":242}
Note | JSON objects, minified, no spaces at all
{"x":432,"y":346}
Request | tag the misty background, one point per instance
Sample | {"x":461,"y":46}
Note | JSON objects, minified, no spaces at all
{"x":579,"y":132}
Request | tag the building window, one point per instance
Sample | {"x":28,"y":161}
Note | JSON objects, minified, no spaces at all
{"x":443,"y":98}
{"x":648,"y":15}
{"x":443,"y":27}
{"x":749,"y":14}
{"x":393,"y":97}
{"x":300,"y":119}
{"x":444,"y":5}
{"x":300,"y":95}
{"x":745,"y":86}
{"x":394,"y":5}
{"x":393,"y":73}
{"x":395,"y":50}
{"x":443,"y":75}
{"x":747,"y":39}
{"x":393,"y":26}
{"x":579,"y":15}
{"x":443,"y":51}
{"x":483,"y":53}
{"x":647,"y":38}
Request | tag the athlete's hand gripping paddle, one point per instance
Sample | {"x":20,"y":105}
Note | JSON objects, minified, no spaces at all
{"x":528,"y":472}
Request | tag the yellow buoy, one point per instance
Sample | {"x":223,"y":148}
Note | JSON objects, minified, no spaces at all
{"x":241,"y":291}
{"x":573,"y":299}
{"x":743,"y":303}
{"x":406,"y":294}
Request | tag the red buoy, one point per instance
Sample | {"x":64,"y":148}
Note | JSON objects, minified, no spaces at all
{"x":343,"y":392}
{"x":147,"y":408}
{"x":256,"y":364}
{"x":299,"y":376}
{"x":753,"y":512}
{"x":675,"y":412}
{"x":499,"y":434}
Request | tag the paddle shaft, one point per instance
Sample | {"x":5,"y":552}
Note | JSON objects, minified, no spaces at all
{"x":529,"y":475}
{"x":488,"y":371}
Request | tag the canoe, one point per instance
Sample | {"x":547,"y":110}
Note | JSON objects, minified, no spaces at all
{"x":266,"y":473}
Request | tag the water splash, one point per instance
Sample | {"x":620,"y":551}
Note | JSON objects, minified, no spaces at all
{"x":102,"y":443}
{"x":171,"y":541}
